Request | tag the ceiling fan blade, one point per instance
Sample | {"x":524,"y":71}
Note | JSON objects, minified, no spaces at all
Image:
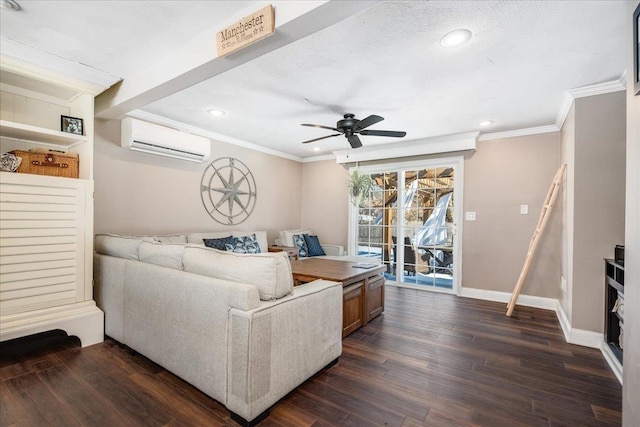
{"x":319,"y":126}
{"x":393,"y":133}
{"x":322,"y":137}
{"x":368,"y":121}
{"x":354,"y":141}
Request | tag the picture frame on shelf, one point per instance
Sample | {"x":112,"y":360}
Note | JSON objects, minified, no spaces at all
{"x":72,"y":125}
{"x":636,"y":51}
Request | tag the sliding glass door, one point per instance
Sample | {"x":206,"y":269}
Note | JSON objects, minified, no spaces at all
{"x":408,"y":222}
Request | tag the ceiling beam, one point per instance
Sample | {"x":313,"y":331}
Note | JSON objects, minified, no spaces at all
{"x":198,"y":61}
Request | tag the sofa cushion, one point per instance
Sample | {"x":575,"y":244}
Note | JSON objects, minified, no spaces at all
{"x":165,"y":254}
{"x":219,"y":243}
{"x":198,"y":238}
{"x":286,"y":236}
{"x":313,"y":245}
{"x":243,"y":245}
{"x":119,"y":246}
{"x":171,"y":238}
{"x":270,"y":272}
{"x":301,"y":245}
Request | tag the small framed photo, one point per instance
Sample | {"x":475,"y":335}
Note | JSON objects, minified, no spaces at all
{"x":71,"y":125}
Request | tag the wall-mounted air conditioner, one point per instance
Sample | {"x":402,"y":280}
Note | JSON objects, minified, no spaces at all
{"x":163,"y":141}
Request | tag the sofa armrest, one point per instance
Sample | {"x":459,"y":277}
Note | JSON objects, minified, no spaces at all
{"x":276,"y":347}
{"x":333,"y":250}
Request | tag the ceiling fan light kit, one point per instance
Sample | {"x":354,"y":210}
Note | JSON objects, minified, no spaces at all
{"x":349,"y":126}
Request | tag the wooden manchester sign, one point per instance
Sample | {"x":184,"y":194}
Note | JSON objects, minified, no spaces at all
{"x":246,"y":31}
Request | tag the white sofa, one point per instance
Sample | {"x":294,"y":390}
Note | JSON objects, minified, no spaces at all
{"x":234,"y":335}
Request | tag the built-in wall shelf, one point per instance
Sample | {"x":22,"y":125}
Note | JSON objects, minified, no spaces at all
{"x":39,"y":135}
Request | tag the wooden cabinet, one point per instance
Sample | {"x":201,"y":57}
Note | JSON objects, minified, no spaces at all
{"x":352,"y":308}
{"x":46,"y":223}
{"x":614,"y":307}
{"x":375,"y":296}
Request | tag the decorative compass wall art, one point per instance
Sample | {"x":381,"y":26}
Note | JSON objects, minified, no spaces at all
{"x":228,"y":191}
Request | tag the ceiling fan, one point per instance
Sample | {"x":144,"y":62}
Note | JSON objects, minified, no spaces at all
{"x":349,"y":126}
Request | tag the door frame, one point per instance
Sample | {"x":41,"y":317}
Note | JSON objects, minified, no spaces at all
{"x":457,"y":162}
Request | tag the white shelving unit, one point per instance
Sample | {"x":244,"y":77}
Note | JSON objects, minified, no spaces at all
{"x":40,"y":136}
{"x":46,"y":222}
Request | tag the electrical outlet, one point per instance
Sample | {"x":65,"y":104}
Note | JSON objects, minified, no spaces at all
{"x":563,"y":284}
{"x":524,"y":209}
{"x":470,"y":216}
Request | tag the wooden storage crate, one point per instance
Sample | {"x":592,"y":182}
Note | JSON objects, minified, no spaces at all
{"x":48,"y":162}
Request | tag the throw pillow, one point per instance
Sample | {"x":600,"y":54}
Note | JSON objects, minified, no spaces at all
{"x":244,"y":245}
{"x":313,"y":245}
{"x":219,"y":244}
{"x":300,"y":243}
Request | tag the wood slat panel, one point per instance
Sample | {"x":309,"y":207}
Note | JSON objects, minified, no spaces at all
{"x":38,"y":301}
{"x":39,"y":215}
{"x":24,"y":279}
{"x":37,"y":198}
{"x":24,"y":250}
{"x":35,"y":266}
{"x":26,"y":293}
{"x":38,"y":232}
{"x":39,"y":190}
{"x":37,"y":241}
{"x":15,"y":224}
{"x":28,"y":207}
{"x":34,"y":284}
{"x":9,"y":260}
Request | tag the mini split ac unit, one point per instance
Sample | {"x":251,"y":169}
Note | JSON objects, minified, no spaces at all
{"x":163,"y":141}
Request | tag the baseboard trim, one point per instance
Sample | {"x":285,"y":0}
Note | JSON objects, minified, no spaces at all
{"x":612,"y":360}
{"x":83,"y":319}
{"x":498,"y":296}
{"x":577,"y":336}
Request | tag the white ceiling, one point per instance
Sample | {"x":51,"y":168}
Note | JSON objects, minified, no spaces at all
{"x":521,"y":60}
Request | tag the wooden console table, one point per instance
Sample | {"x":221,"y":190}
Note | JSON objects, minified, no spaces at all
{"x":363,"y":288}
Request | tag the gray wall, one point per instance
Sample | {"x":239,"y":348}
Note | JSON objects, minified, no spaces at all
{"x":593,"y":146}
{"x":138,"y":193}
{"x":631,"y":389}
{"x":502,"y":175}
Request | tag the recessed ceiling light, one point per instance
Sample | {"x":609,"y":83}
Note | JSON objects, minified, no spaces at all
{"x":486,"y":123}
{"x":217,"y":113}
{"x":455,"y":38}
{"x":9,"y":4}
{"x":316,"y":148}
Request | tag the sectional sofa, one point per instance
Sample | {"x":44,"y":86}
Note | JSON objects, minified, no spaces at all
{"x":230,"y":324}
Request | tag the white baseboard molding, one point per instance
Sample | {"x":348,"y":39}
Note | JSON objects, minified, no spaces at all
{"x":84,"y":320}
{"x":612,"y":360}
{"x":498,"y":296}
{"x":577,"y":336}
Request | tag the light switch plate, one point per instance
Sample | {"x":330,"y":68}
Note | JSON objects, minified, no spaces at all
{"x":524,"y":209}
{"x":470,"y":216}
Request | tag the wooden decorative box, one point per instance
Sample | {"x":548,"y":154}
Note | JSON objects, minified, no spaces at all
{"x":48,"y":162}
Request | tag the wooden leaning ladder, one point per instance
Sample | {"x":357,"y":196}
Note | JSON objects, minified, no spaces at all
{"x":542,"y":222}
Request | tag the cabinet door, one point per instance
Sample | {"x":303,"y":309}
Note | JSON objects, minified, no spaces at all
{"x":352,"y":308}
{"x":375,"y":296}
{"x":45,"y":242}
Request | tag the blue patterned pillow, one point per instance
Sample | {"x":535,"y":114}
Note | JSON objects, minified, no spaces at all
{"x":301,"y":244}
{"x":313,"y":245}
{"x":244,"y":245}
{"x":219,"y":243}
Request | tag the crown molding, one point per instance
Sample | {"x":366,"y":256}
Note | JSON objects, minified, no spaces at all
{"x":519,"y":132}
{"x":441,"y":144}
{"x":154,"y":118}
{"x":319,"y":158}
{"x":27,"y":61}
{"x":571,"y":95}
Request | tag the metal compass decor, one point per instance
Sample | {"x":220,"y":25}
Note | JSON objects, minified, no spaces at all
{"x":228,"y":191}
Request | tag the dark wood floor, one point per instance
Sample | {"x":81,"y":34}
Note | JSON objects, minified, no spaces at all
{"x":430,"y":359}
